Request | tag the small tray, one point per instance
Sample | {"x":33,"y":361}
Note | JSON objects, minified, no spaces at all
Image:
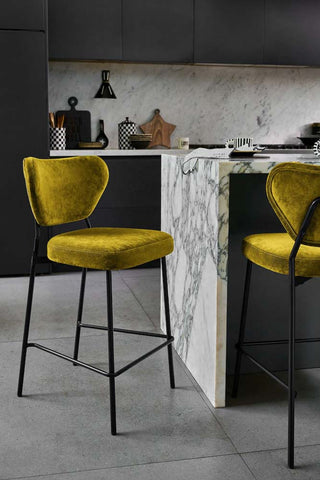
{"x":93,"y":145}
{"x":246,"y":153}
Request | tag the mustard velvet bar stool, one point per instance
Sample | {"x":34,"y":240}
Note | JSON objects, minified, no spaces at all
{"x":293,"y":190}
{"x":67,"y":190}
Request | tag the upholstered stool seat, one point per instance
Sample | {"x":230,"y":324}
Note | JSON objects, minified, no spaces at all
{"x":109,"y":248}
{"x":272,"y":251}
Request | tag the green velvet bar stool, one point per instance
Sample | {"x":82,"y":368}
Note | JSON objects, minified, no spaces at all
{"x":293,"y":190}
{"x":67,"y":190}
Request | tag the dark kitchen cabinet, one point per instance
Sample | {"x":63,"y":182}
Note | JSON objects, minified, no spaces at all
{"x":131,"y":199}
{"x":23,"y":15}
{"x":84,"y":30}
{"x":24,"y":132}
{"x":292,"y":33}
{"x":158,"y":31}
{"x":229,"y":31}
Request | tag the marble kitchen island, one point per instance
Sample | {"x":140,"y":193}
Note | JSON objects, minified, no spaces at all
{"x":195,"y":211}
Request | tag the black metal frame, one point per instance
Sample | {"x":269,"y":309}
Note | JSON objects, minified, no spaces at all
{"x":112,"y":373}
{"x":291,"y":341}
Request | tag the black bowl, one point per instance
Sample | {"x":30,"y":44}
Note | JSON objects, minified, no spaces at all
{"x":140,"y":143}
{"x":309,"y":141}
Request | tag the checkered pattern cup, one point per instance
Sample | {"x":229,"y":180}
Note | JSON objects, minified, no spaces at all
{"x":125,"y":129}
{"x":57,"y":138}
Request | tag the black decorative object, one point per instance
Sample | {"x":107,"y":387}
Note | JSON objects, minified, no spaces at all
{"x":126,"y":128}
{"x":102,"y":137}
{"x":77,"y":124}
{"x":105,"y":90}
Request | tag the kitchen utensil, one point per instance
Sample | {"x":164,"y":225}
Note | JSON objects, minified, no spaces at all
{"x":105,"y":90}
{"x":125,"y":129}
{"x":77,"y":124}
{"x":60,"y":121}
{"x":52,"y":121}
{"x":160,"y":130}
{"x":102,"y":137}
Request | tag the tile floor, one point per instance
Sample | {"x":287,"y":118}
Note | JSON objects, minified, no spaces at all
{"x":60,"y":429}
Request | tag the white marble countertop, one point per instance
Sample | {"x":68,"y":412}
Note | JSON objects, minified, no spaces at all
{"x":117,"y":153}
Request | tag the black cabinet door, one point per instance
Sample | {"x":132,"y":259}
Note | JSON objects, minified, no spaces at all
{"x":158,"y":31}
{"x":24,"y":132}
{"x":85,"y":30}
{"x":23,"y":14}
{"x":229,"y":31}
{"x":292,"y":32}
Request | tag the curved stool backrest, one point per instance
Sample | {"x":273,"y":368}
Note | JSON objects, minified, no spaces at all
{"x":291,"y":187}
{"x":63,"y":190}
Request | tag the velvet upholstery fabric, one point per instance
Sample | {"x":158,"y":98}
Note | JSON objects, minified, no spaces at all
{"x":63,"y":190}
{"x":291,"y":187}
{"x":109,"y":248}
{"x":272,"y":251}
{"x":68,"y":189}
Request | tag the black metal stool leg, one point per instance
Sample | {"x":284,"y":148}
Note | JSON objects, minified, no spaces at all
{"x":242,"y":329}
{"x":167,"y":317}
{"x":291,"y":368}
{"x":28,"y":310}
{"x":111,"y":356}
{"x":79,"y":318}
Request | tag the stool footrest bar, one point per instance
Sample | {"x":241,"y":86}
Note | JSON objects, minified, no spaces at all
{"x":69,"y":359}
{"x":99,"y":370}
{"x":143,"y":357}
{"x":123,"y":330}
{"x":280,"y":342}
{"x":265,"y":369}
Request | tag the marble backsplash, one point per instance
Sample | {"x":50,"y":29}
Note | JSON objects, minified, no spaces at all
{"x":207,"y":103}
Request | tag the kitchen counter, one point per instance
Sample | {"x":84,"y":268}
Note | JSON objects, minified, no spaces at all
{"x":151,"y":152}
{"x":117,"y":153}
{"x":195,"y":211}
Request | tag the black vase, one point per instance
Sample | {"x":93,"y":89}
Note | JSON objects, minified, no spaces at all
{"x":102,"y":137}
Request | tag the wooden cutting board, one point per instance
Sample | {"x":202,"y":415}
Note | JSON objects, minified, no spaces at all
{"x":77,"y":124}
{"x":161,"y":130}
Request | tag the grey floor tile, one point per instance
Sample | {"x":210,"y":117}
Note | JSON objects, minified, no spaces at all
{"x":148,"y":295}
{"x":257,"y":419}
{"x":139,"y":272}
{"x":272,"y":465}
{"x":229,"y":467}
{"x":62,"y":425}
{"x":56,"y":303}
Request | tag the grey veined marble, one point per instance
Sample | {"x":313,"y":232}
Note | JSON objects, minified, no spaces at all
{"x":207,"y":103}
{"x":195,"y":211}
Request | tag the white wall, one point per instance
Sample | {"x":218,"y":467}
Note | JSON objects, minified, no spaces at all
{"x":207,"y":103}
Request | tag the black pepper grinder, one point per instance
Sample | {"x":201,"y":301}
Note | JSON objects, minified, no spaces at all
{"x":102,"y":137}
